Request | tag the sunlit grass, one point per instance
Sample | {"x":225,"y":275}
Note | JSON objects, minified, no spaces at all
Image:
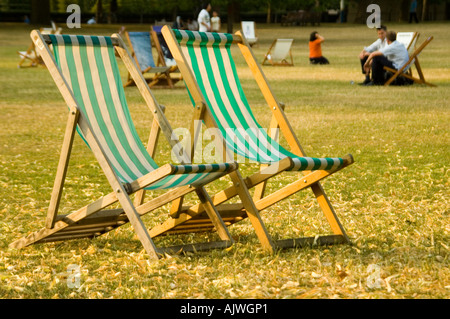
{"x":393,"y":202}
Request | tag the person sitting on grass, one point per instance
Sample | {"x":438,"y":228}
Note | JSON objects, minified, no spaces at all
{"x":315,"y":49}
{"x":394,"y":55}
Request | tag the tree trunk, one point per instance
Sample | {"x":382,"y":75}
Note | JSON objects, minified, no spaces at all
{"x":40,"y":12}
{"x":99,"y":12}
{"x":424,"y":10}
{"x":231,"y":12}
{"x":268,"y":13}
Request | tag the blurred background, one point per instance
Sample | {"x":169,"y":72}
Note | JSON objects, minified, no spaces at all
{"x":159,"y":12}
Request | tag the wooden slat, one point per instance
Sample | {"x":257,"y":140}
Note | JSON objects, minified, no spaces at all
{"x":213,"y":215}
{"x":62,"y":167}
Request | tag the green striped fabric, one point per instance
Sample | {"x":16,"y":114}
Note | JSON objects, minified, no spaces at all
{"x":89,"y":66}
{"x":209,"y":57}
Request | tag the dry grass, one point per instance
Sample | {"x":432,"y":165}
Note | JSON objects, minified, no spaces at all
{"x":393,"y":202}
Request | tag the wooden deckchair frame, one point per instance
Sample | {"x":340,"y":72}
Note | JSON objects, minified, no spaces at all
{"x":283,"y":62}
{"x":413,"y":59}
{"x":161,"y":73}
{"x":93,"y":219}
{"x":258,"y":180}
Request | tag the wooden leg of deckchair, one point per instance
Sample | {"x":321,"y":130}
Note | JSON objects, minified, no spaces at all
{"x":136,"y":222}
{"x":195,"y":130}
{"x":273,"y":133}
{"x":419,"y":71}
{"x":252,"y":212}
{"x":391,"y":79}
{"x":151,"y":148}
{"x":169,"y":79}
{"x":62,"y":167}
{"x":213,"y":215}
{"x":130,"y":81}
{"x":260,"y":188}
{"x":329,"y":212}
{"x":175,"y":209}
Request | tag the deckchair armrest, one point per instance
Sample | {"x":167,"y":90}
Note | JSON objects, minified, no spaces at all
{"x":204,"y":168}
{"x":348,"y":159}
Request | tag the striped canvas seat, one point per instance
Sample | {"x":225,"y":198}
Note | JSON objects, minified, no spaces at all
{"x":209,"y":57}
{"x":89,"y":66}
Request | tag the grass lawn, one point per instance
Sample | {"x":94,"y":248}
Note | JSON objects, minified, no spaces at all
{"x":393,"y":202}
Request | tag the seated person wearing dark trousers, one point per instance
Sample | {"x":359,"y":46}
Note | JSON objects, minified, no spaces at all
{"x":394,"y":55}
{"x":377,"y":45}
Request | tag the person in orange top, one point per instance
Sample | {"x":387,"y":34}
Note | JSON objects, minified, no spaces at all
{"x":315,"y":49}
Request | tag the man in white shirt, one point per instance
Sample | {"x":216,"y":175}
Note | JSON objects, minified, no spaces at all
{"x":204,"y":24}
{"x":377,"y":45}
{"x":394,"y":56}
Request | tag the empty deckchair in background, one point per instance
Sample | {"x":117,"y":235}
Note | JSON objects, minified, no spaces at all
{"x":249,"y":30}
{"x":140,"y":45}
{"x":279,"y":53}
{"x":30,"y":57}
{"x":86,"y":73}
{"x":408,"y":39}
{"x":208,"y":68}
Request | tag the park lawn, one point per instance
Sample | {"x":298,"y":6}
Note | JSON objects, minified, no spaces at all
{"x":393,"y":201}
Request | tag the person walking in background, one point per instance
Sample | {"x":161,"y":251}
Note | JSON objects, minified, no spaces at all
{"x":215,"y":22}
{"x":377,"y":45}
{"x":315,"y":49}
{"x":204,"y":23}
{"x":413,"y":11}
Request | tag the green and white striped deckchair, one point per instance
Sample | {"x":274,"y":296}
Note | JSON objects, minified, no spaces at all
{"x":208,"y":68}
{"x":86,"y":72}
